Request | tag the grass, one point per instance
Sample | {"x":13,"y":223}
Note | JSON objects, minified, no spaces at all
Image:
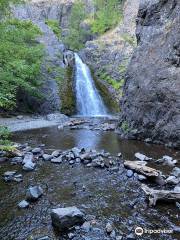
{"x":54,"y":25}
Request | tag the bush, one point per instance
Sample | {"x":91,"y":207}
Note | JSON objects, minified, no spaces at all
{"x":4,"y":135}
{"x":108,"y":14}
{"x":54,"y":25}
{"x":20,"y":60}
{"x":75,"y":39}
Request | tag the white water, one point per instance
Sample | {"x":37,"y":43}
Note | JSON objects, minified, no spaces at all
{"x":88,"y":100}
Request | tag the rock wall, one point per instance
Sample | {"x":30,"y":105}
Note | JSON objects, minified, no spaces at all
{"x":108,"y":55}
{"x":151,"y":103}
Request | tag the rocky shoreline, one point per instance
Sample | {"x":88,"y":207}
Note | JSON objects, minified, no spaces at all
{"x":70,"y":221}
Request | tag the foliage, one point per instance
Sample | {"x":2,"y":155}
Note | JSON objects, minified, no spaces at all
{"x":108,"y":14}
{"x":4,"y":135}
{"x":75,"y":38}
{"x":114,"y":83}
{"x":129,"y":39}
{"x":4,"y":5}
{"x":125,"y":126}
{"x":20,"y":60}
{"x":54,"y":25}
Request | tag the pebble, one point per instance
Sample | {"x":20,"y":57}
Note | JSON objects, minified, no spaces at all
{"x":23,"y":204}
{"x":129,"y":173}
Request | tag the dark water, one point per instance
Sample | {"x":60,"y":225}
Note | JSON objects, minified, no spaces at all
{"x":108,"y":196}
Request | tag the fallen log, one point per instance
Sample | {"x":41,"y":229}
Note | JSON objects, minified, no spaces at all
{"x":164,"y":195}
{"x":140,"y":167}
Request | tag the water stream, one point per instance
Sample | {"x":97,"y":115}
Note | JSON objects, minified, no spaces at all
{"x":88,"y":99}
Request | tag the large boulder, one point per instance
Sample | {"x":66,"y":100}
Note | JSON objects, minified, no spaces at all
{"x":151,"y":103}
{"x":65,"y":218}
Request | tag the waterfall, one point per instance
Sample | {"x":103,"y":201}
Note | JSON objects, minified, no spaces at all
{"x":88,"y":100}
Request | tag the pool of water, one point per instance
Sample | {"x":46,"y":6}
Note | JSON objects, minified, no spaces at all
{"x":108,"y":196}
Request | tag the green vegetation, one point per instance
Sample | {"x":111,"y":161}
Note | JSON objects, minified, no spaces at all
{"x":125,"y":126}
{"x":65,"y":83}
{"x":129,"y":39}
{"x":108,"y":14}
{"x":117,"y":85}
{"x":4,"y":136}
{"x":4,"y":6}
{"x":123,"y":66}
{"x":75,"y":39}
{"x":54,"y":25}
{"x":20,"y":60}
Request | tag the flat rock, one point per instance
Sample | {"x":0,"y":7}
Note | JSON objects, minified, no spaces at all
{"x":23,"y":204}
{"x":57,"y":160}
{"x":33,"y":193}
{"x":36,"y":150}
{"x":141,"y":157}
{"x":65,"y":218}
{"x":47,"y":157}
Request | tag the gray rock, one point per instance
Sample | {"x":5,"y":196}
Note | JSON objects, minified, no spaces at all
{"x":56,"y":153}
{"x":129,"y":173}
{"x":130,"y":237}
{"x":57,"y":160}
{"x":33,"y":193}
{"x":109,"y":228}
{"x":177,"y":189}
{"x":36,"y":150}
{"x":142,"y":157}
{"x":176,"y":172}
{"x":18,"y":178}
{"x":119,"y":237}
{"x":65,"y":218}
{"x":141,"y":178}
{"x":29,"y":166}
{"x":86,"y":227}
{"x":172,"y":180}
{"x":169,"y":161}
{"x":23,"y":204}
{"x":119,"y":155}
{"x":151,"y":94}
{"x":16,"y":160}
{"x":47,"y":157}
{"x":9,"y":176}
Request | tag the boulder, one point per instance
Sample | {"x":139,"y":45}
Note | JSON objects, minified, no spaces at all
{"x":176,"y":172}
{"x":65,"y":218}
{"x":47,"y":157}
{"x":33,"y":193}
{"x":36,"y":150}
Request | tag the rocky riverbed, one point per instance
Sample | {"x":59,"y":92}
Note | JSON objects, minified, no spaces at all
{"x":83,"y":168}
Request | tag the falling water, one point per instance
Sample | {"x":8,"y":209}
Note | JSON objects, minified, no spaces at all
{"x":88,"y":100}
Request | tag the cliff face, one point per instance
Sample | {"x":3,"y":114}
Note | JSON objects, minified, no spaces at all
{"x":38,"y":11}
{"x":109,"y":54}
{"x":151,"y":102}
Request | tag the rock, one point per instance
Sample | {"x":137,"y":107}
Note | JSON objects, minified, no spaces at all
{"x":142,"y":157}
{"x":9,"y":175}
{"x":47,"y":157}
{"x":58,"y":117}
{"x":141,"y":178}
{"x":16,"y":160}
{"x":76,"y":152}
{"x":18,"y":178}
{"x":71,"y":235}
{"x":109,"y":228}
{"x":151,"y":94}
{"x":57,"y":160}
{"x":172,"y":180}
{"x":28,"y":158}
{"x":86,"y":226}
{"x":113,"y":234}
{"x":119,"y":238}
{"x":65,"y":218}
{"x":119,"y":155}
{"x":178,"y":205}
{"x":129,"y":173}
{"x":177,"y":188}
{"x":169,"y":161}
{"x":29,"y":166}
{"x":176,"y":172}
{"x":71,"y":162}
{"x":56,"y":153}
{"x":20,"y":117}
{"x":23,"y":204}
{"x":36,"y":150}
{"x":130,"y":237}
{"x":33,"y":193}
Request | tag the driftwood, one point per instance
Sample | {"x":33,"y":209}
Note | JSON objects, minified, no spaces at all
{"x":155,"y":195}
{"x":140,"y":167}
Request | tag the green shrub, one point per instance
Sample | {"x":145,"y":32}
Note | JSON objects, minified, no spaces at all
{"x":107,"y":15}
{"x":114,"y":83}
{"x":54,"y":25}
{"x":76,"y":36}
{"x":125,"y":126}
{"x":20,"y":60}
{"x":4,"y":135}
